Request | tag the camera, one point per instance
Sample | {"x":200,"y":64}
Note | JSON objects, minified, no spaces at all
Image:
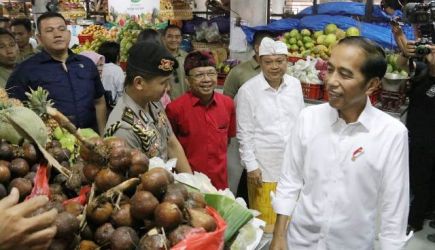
{"x":422,"y":15}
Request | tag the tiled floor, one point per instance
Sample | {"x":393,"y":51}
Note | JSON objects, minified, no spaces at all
{"x":419,"y":241}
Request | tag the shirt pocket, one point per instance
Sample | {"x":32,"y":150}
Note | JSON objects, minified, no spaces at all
{"x":362,"y":167}
{"x":56,"y":86}
{"x":84,"y":85}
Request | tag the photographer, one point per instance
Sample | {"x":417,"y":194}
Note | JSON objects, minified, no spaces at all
{"x":420,"y":123}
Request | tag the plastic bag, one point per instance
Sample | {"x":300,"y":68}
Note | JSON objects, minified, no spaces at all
{"x":249,"y":235}
{"x":200,"y":31}
{"x":199,"y":239}
{"x":212,"y":34}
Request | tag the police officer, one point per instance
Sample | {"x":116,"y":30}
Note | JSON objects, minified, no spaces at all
{"x":138,"y":117}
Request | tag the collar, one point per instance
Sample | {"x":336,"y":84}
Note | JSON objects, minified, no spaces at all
{"x":254,"y":64}
{"x":4,"y":69}
{"x":153,"y":107}
{"x":28,"y":48}
{"x":264,"y":85}
{"x":366,"y":118}
{"x":196,"y":101}
{"x":46,"y":57}
{"x":180,"y":53}
{"x":129,"y":102}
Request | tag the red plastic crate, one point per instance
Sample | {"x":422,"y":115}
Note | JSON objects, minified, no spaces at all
{"x":84,"y":38}
{"x":123,"y":65}
{"x":325,"y":93}
{"x":221,"y":79}
{"x":294,"y":59}
{"x":312,"y":91}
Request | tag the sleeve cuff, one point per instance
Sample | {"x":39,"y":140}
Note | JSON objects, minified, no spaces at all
{"x":394,"y":244}
{"x":251,"y":166}
{"x":283,"y":206}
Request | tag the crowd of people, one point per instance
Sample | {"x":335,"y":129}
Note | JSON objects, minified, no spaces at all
{"x":320,"y":176}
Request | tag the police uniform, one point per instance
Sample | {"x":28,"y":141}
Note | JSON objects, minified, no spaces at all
{"x":148,"y":129}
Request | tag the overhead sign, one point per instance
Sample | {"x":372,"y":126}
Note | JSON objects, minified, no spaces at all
{"x":121,"y":10}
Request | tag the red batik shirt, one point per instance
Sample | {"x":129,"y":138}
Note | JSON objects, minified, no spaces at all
{"x":204,"y":131}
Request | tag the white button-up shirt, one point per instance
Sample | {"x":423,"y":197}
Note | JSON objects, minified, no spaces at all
{"x":336,"y":175}
{"x":113,"y":80}
{"x":265,"y":117}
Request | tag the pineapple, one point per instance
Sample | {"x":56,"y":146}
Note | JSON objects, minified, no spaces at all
{"x":15,"y":102}
{"x":38,"y":102}
{"x":3,"y":96}
{"x":6,"y":102}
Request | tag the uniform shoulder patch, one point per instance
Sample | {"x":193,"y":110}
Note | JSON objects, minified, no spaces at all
{"x":128,"y":116}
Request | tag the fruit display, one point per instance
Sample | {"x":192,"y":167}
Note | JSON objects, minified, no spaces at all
{"x":93,"y":46}
{"x":71,"y":9}
{"x":303,"y":43}
{"x":95,"y":30}
{"x":308,"y":71}
{"x":226,"y":66}
{"x":127,"y":37}
{"x":156,"y":212}
{"x":392,"y":67}
{"x":106,"y":196}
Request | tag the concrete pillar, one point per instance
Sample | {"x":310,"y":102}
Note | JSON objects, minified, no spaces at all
{"x":254,"y":12}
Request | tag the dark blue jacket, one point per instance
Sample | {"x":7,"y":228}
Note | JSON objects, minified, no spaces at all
{"x":73,"y":89}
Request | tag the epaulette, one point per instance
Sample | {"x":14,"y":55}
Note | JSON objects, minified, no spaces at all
{"x":128,"y":116}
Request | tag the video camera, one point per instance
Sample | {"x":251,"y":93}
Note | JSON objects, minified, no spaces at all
{"x":423,"y":16}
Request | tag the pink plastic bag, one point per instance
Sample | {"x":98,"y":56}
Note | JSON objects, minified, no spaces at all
{"x":200,"y":239}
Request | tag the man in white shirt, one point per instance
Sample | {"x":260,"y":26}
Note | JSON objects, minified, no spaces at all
{"x":345,"y":160}
{"x":267,"y":107}
{"x":112,"y":77}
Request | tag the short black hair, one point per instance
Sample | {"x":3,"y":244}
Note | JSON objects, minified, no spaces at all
{"x":170,"y":26}
{"x":47,"y":15}
{"x":110,"y":50}
{"x":130,"y":74}
{"x":6,"y":32}
{"x":22,"y":21}
{"x":375,"y":64}
{"x":394,"y":4}
{"x":259,"y":35}
{"x":149,"y":35}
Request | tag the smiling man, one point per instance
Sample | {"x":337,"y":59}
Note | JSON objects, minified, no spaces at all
{"x":267,"y":107}
{"x":204,"y":120}
{"x":345,"y":160}
{"x":172,"y":40}
{"x":72,"y":81}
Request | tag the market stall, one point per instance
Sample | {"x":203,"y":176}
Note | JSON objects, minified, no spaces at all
{"x":107,"y":194}
{"x":309,"y":38}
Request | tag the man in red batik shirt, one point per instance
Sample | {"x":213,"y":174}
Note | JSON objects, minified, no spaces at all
{"x":204,"y":120}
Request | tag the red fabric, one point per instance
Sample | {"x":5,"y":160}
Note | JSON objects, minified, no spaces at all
{"x":203,"y":131}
